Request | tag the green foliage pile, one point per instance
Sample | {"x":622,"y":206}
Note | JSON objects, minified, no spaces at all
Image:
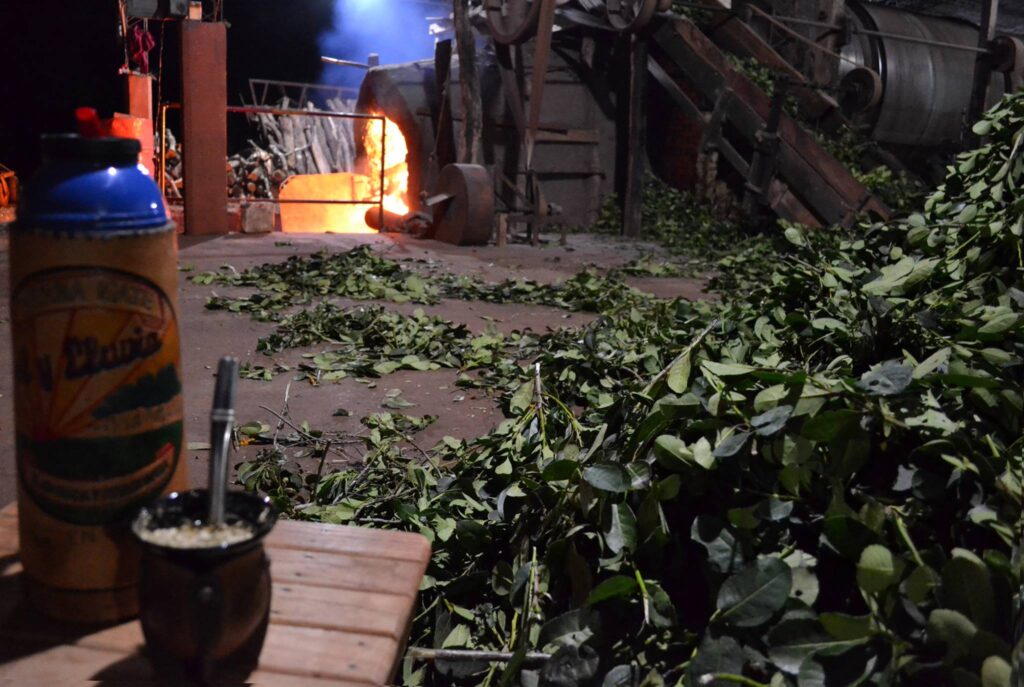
{"x":362,"y":274}
{"x":681,"y":223}
{"x":814,"y":480}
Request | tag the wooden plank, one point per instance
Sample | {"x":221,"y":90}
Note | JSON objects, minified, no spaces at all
{"x":823,"y":183}
{"x":8,"y":535}
{"x":344,"y":571}
{"x":736,"y":36}
{"x":636,"y":144}
{"x":308,"y":536}
{"x":362,"y":649}
{"x":345,"y":610}
{"x":361,"y":541}
{"x":680,"y":98}
{"x":327,"y":654}
{"x":338,"y":615}
{"x":29,"y":664}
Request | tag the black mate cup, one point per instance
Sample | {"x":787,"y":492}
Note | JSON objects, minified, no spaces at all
{"x":204,"y":611}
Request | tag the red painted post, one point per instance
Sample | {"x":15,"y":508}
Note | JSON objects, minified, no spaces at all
{"x":204,"y":100}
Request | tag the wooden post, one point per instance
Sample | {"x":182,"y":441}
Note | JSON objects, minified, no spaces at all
{"x":824,"y":69}
{"x":982,"y":64}
{"x":470,"y":152}
{"x":632,"y":221}
{"x":204,"y":101}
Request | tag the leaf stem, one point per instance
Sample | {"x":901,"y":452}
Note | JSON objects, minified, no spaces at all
{"x":729,"y":677}
{"x":901,"y":527}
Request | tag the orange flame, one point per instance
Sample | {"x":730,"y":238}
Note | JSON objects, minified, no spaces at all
{"x":350,"y":219}
{"x":396,"y":167}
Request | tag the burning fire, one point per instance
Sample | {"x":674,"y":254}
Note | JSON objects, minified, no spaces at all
{"x":350,"y":219}
{"x":396,"y":169}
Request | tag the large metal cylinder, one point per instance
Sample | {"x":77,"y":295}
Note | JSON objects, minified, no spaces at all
{"x":926,"y":88}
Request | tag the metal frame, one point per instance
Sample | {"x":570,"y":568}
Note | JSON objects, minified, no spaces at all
{"x":286,"y":112}
{"x":304,"y":89}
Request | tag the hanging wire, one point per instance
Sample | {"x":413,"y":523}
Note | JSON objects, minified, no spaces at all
{"x":160,"y":67}
{"x":122,"y":10}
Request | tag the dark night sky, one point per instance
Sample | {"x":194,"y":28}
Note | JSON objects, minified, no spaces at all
{"x":59,"y":55}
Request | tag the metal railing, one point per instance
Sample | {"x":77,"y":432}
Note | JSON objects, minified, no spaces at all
{"x":285,"y":112}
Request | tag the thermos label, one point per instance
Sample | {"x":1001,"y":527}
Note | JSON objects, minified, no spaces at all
{"x":100,"y":428}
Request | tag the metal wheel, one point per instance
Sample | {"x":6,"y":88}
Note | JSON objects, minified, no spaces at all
{"x":467,"y":217}
{"x":512,"y":21}
{"x":860,"y":91}
{"x":631,"y":15}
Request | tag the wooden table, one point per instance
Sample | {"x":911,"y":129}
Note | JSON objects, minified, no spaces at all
{"x":342,"y":602}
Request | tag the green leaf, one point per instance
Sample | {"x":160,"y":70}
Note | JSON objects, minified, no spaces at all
{"x":726,"y":369}
{"x":615,"y":587}
{"x":1001,"y":324}
{"x":878,"y":569}
{"x":967,"y":588}
{"x":795,"y":236}
{"x":830,"y":425}
{"x":771,"y":422}
{"x":679,"y":374}
{"x":672,"y":453}
{"x":920,"y":583}
{"x":570,"y":628}
{"x":460,"y":636}
{"x":846,"y":627}
{"x":953,"y":629}
{"x":936,"y":362}
{"x":609,"y":477}
{"x":725,"y":554}
{"x":752,"y":596}
{"x":702,"y":453}
{"x":995,"y":672}
{"x":559,"y":470}
{"x":621,"y":534}
{"x":731,"y":445}
{"x":791,"y":642}
{"x":718,"y":656}
{"x":887,"y":379}
{"x":522,"y":398}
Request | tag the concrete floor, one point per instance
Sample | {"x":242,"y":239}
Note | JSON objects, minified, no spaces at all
{"x":208,"y":335}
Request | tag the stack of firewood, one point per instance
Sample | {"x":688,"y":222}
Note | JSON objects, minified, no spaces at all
{"x":287,"y":145}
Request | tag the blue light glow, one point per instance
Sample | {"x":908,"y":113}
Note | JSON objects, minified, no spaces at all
{"x":397,"y":30}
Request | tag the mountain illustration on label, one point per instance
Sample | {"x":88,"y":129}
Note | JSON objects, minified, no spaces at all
{"x":99,"y":399}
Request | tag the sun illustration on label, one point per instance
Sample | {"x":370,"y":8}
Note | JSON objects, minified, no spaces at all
{"x":99,"y":402}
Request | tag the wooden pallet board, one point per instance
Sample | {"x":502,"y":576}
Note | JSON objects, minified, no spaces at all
{"x":342,"y":602}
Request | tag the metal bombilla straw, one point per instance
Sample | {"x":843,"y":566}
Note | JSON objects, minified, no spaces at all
{"x":222,"y":420}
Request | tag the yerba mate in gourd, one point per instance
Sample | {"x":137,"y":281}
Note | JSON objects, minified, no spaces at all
{"x":97,"y":372}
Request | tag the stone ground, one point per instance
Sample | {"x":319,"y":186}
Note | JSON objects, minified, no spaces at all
{"x":208,"y":335}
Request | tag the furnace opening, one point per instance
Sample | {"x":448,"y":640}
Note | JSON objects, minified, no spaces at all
{"x":363,"y":185}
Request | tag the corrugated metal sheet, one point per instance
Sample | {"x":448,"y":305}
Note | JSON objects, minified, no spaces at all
{"x":1011,"y":12}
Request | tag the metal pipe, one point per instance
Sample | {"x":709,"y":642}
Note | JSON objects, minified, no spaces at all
{"x":383,"y":163}
{"x":299,"y":201}
{"x":222,"y":420}
{"x":776,"y":19}
{"x":921,"y":41}
{"x":343,"y":63}
{"x":163,"y":150}
{"x":281,"y":112}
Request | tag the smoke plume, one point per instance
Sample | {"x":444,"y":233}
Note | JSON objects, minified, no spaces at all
{"x":397,"y":30}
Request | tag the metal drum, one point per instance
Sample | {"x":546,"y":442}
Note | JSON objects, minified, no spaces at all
{"x":926,"y":88}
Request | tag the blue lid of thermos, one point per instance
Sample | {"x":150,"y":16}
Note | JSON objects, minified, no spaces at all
{"x":91,"y":185}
